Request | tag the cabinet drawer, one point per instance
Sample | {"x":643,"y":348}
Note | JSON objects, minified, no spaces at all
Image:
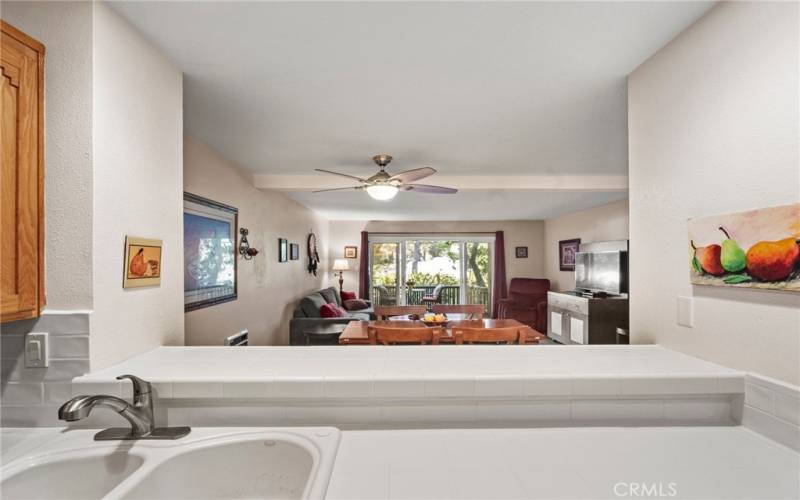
{"x":568,"y":302}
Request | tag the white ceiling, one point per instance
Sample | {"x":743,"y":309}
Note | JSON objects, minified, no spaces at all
{"x":467,"y":88}
{"x":467,"y":205}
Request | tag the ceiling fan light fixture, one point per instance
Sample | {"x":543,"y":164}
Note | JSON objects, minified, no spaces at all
{"x":382,"y":192}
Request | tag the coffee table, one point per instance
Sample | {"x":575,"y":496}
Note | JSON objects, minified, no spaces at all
{"x":324,"y":334}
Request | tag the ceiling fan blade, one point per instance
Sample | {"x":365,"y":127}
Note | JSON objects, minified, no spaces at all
{"x":337,"y":189}
{"x":413,"y":175}
{"x":359,"y":179}
{"x":425,"y":188}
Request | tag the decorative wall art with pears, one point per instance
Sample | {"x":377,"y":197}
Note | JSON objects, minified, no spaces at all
{"x":754,"y":249}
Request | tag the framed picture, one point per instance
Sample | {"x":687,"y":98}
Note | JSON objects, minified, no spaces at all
{"x":209,"y":252}
{"x":142,"y":262}
{"x":522,"y":252}
{"x":566,"y":253}
{"x":283,"y":250}
{"x":753,"y":249}
{"x":350,"y":252}
{"x":294,"y":251}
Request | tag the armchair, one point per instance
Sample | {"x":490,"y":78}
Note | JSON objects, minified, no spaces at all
{"x":526,"y":302}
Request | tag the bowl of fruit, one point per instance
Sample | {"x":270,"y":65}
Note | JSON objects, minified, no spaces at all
{"x":431,"y":319}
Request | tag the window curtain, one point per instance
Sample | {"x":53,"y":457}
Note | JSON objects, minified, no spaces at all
{"x":499,"y":287}
{"x":363,"y":267}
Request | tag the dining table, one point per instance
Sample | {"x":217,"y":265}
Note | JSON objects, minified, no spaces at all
{"x":356,"y":331}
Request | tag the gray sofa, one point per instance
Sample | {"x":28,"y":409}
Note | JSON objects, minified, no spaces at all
{"x":307,"y":314}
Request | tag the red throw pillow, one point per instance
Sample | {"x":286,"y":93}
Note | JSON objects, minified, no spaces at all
{"x":348,"y":296}
{"x":331,"y":311}
{"x":355,"y":304}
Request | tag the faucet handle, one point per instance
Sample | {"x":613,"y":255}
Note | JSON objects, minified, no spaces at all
{"x":140,"y":387}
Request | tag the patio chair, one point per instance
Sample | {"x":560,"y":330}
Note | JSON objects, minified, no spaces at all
{"x":384,"y":297}
{"x":435,"y":297}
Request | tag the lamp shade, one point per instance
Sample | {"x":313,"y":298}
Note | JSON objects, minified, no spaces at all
{"x":340,"y":265}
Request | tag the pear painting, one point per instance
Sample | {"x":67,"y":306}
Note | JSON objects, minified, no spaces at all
{"x":754,"y":249}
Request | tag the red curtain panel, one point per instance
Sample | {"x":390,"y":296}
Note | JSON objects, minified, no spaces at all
{"x":499,"y":287}
{"x":363,"y":267}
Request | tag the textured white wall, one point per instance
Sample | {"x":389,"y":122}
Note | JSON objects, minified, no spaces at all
{"x":65,"y":28}
{"x":528,"y":233}
{"x":603,"y":223}
{"x":138,"y":185}
{"x":713,"y":125}
{"x":268,"y":291}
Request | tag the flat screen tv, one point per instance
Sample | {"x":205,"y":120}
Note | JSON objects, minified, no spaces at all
{"x":604,"y":272}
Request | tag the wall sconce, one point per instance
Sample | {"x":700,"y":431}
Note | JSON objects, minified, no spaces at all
{"x":245,"y":251}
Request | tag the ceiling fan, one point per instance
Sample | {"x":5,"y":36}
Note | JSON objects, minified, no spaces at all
{"x":383,"y":186}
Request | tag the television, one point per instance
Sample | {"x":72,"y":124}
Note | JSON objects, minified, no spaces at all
{"x":601,"y":272}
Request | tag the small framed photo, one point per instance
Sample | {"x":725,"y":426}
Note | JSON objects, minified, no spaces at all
{"x":142,"y":262}
{"x":283,"y":250}
{"x":567,"y":249}
{"x":522,"y":252}
{"x":350,"y":252}
{"x":294,"y":251}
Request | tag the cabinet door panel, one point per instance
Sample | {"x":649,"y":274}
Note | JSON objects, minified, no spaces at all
{"x":20,"y":133}
{"x":576,"y":330}
{"x":555,"y":323}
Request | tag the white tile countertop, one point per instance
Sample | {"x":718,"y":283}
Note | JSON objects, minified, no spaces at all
{"x":574,"y":463}
{"x":415,"y":372}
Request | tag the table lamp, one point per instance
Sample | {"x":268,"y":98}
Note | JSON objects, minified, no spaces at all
{"x":341,"y":265}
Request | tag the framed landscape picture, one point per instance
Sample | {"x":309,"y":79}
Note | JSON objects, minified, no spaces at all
{"x":566,"y":253}
{"x":283,"y":250}
{"x":294,"y":251}
{"x":350,"y":252}
{"x":753,"y":249}
{"x":209,"y":252}
{"x":142,"y":262}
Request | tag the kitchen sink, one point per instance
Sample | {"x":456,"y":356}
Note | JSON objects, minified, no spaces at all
{"x":208,"y":463}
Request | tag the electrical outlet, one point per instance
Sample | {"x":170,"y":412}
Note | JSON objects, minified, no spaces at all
{"x":686,"y":311}
{"x":36,"y":351}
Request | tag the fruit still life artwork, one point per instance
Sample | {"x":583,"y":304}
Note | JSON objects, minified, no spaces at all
{"x":142,"y":262}
{"x":754,"y":249}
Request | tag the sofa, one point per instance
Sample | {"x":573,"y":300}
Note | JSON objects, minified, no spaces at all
{"x":526,"y":302}
{"x":307,"y":314}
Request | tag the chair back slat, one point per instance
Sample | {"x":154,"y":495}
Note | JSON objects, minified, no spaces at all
{"x":507,"y":335}
{"x":383,"y":312}
{"x":388,"y":335}
{"x":473,"y":311}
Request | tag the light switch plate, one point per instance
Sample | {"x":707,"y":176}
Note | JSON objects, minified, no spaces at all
{"x":36,"y":350}
{"x":686,"y":311}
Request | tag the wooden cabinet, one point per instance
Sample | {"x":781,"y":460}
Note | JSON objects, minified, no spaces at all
{"x":22,"y":175}
{"x":573,"y":319}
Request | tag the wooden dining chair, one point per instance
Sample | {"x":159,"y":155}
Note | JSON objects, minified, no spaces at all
{"x":472,"y":311}
{"x":388,"y":335}
{"x":504,"y":335}
{"x":384,"y":312}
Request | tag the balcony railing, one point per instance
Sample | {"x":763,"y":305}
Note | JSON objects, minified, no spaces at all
{"x":413,"y":295}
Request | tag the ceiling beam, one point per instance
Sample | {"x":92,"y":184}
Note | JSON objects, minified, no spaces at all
{"x":588,"y":183}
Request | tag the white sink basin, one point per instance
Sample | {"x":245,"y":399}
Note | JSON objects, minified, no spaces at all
{"x":83,"y":477}
{"x":262,"y":467}
{"x":208,"y":463}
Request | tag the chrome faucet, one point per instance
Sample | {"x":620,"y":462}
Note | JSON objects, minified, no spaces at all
{"x":139,"y":414}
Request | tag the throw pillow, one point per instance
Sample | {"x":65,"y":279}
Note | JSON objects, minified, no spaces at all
{"x":348,"y":296}
{"x":355,"y":304}
{"x":330,"y":311}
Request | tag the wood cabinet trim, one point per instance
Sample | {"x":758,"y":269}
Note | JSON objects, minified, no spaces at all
{"x":32,"y":46}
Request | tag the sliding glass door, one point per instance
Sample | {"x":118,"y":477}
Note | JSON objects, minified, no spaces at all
{"x":478,"y":273}
{"x":455,"y":269}
{"x":429,"y":263}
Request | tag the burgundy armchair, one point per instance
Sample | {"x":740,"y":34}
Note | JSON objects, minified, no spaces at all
{"x":526,"y":302}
